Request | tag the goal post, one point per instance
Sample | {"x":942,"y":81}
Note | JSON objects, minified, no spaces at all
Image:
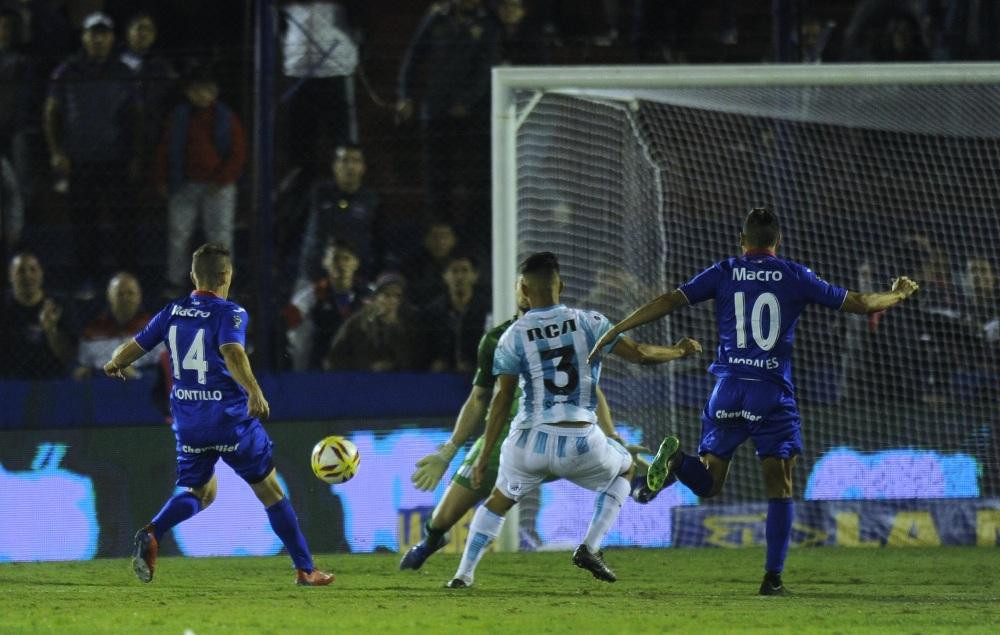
{"x":638,"y":177}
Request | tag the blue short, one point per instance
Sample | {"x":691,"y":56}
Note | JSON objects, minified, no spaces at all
{"x":247,"y":451}
{"x":760,"y":410}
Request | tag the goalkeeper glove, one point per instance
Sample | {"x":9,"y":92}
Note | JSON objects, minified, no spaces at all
{"x":431,"y":468}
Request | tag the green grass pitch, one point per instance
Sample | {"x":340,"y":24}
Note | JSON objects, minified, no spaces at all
{"x":837,"y":590}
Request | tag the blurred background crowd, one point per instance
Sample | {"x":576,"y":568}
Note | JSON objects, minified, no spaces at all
{"x":128,"y":135}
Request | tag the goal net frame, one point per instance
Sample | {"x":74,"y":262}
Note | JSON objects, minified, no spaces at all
{"x":506,"y":119}
{"x":518,"y":90}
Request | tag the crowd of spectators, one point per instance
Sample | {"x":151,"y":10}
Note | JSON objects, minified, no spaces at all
{"x":104,"y":130}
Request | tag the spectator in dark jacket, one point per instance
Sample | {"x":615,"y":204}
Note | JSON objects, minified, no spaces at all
{"x":316,"y":313}
{"x":18,"y":126}
{"x":200,"y":158}
{"x":340,"y":209}
{"x":456,"y":319}
{"x":454,"y":47}
{"x":92,"y":125}
{"x":522,"y":42}
{"x":424,"y":268}
{"x":380,"y":337}
{"x":155,"y":75}
{"x":36,"y":332}
{"x":887,"y":31}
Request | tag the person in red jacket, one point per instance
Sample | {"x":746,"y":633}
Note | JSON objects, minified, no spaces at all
{"x":199,"y":160}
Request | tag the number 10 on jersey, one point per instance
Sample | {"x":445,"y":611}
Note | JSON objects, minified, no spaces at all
{"x":764,"y":301}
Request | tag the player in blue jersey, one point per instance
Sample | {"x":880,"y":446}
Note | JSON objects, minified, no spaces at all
{"x":758,"y":299}
{"x":555,"y":430}
{"x":217,"y":406}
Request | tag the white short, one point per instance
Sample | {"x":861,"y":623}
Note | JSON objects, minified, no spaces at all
{"x":584,"y":456}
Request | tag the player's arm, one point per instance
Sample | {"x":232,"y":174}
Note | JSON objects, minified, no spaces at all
{"x":607,"y":425}
{"x":648,"y":354}
{"x":238,"y":365}
{"x":53,"y":134}
{"x":652,"y":310}
{"x":499,"y":410}
{"x":902,"y":288}
{"x":122,"y":358}
{"x":431,"y":468}
{"x":604,"y":420}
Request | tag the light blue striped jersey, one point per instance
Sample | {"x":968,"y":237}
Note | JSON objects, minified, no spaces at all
{"x":547,"y":348}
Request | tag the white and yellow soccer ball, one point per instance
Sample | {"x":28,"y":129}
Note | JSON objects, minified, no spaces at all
{"x":335,"y":460}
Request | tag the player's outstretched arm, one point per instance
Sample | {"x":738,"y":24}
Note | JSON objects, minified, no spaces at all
{"x":652,"y":310}
{"x":432,"y":467}
{"x":647,"y":354}
{"x":902,"y":288}
{"x":122,"y":358}
{"x":499,"y":409}
{"x":238,"y":365}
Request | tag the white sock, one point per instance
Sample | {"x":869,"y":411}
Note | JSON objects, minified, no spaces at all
{"x":606,"y":508}
{"x":483,"y":530}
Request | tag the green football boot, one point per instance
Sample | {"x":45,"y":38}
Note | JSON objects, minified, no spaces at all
{"x":659,"y":469}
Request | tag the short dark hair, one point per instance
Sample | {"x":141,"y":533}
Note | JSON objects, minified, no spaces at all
{"x":199,"y":73}
{"x":542,"y":264}
{"x":141,"y":15}
{"x":344,"y":148}
{"x":342,"y":245}
{"x":461,"y":254}
{"x":760,"y":229}
{"x":209,"y":263}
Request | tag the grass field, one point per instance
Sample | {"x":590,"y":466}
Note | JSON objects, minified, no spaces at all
{"x":916,"y":590}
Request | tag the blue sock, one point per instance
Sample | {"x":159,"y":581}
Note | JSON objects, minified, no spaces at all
{"x":286,"y":525}
{"x":780,"y":513}
{"x":176,"y":510}
{"x":693,"y":473}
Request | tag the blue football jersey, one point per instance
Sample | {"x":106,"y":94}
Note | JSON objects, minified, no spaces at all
{"x":547,"y":348}
{"x":206,"y":402}
{"x":758,"y":300}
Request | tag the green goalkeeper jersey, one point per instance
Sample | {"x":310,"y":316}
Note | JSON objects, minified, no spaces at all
{"x":484,"y":378}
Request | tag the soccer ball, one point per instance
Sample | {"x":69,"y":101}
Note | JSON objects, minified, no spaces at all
{"x":335,"y":460}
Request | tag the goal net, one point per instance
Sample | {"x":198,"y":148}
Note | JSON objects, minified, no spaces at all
{"x":639,"y":178}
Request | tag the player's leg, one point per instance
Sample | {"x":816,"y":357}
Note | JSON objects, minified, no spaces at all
{"x":483,"y":531}
{"x":706,"y":475}
{"x":219,"y":210}
{"x":196,"y":472}
{"x":182,"y":212}
{"x":779,"y":441}
{"x":521,"y":471}
{"x":780,"y":515}
{"x":609,"y":459}
{"x":600,"y":464}
{"x":253,"y":462}
{"x":458,"y":499}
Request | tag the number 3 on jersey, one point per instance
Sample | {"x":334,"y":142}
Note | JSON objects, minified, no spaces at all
{"x":194,"y":359}
{"x":767,"y":301}
{"x":564,"y":366}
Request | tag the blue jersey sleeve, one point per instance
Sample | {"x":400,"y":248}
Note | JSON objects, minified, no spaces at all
{"x":506,"y":361}
{"x":233,"y":326}
{"x":155,"y":330}
{"x":703,"y":286}
{"x":819,"y":291}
